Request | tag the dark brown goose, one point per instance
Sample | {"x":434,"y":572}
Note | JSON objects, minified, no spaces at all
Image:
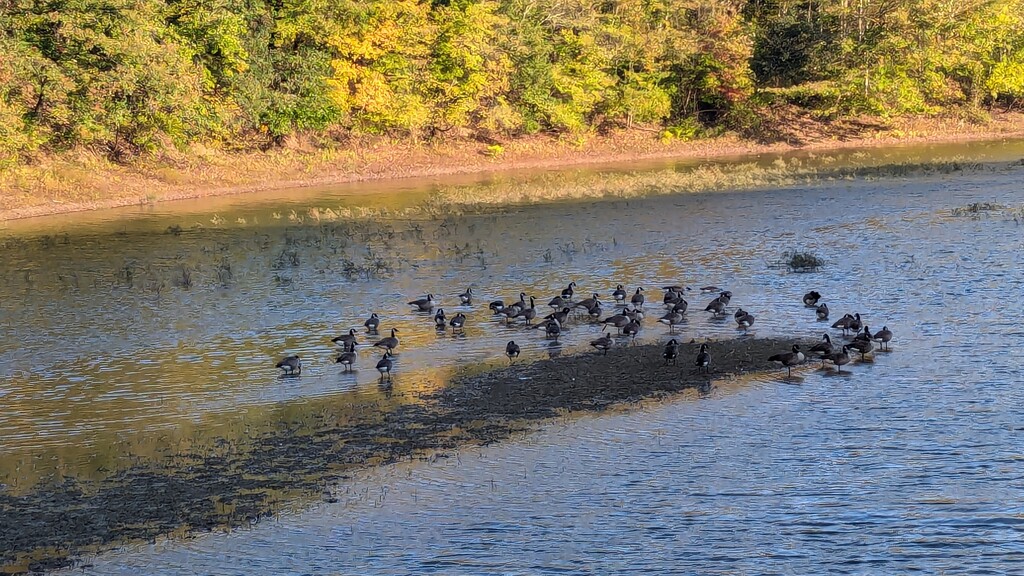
{"x":789,"y":359}
{"x":440,"y":320}
{"x":458,"y":323}
{"x":588,"y":302}
{"x":855,"y":324}
{"x":671,"y":352}
{"x":569,"y":291}
{"x":716,"y":307}
{"x":703,"y":360}
{"x":347,"y":358}
{"x":811,"y":299}
{"x":864,"y":334}
{"x":562,"y":315}
{"x":603,"y":344}
{"x":344,"y":339}
{"x":822,"y":349}
{"x":595,"y":312}
{"x":620,"y":293}
{"x":821,"y":311}
{"x":618,"y":321}
{"x":744,"y":320}
{"x":424,"y":304}
{"x":528,"y":314}
{"x":466,"y":297}
{"x":638,"y":298}
{"x":840,"y":358}
{"x":862,"y":346}
{"x":672,"y":319}
{"x":631,"y":330}
{"x":681,"y":306}
{"x":558,"y":302}
{"x":883,"y":336}
{"x":843,"y":323}
{"x":512,"y":351}
{"x":390,"y":343}
{"x":372,"y":323}
{"x":290,"y":365}
{"x":553,"y":329}
{"x":385,"y":365}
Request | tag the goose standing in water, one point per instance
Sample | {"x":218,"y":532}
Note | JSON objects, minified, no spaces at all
{"x":703,"y":360}
{"x":821,"y":311}
{"x":603,"y":344}
{"x":558,"y":302}
{"x":562,"y":315}
{"x":385,"y":364}
{"x":528,"y":314}
{"x":569,"y":291}
{"x":344,"y":339}
{"x":512,"y":351}
{"x":595,"y":312}
{"x":390,"y":343}
{"x":840,"y":358}
{"x":862,"y":346}
{"x":823,"y":349}
{"x":671,"y":352}
{"x":744,"y":319}
{"x":672,"y":319}
{"x":458,"y":323}
{"x":883,"y":336}
{"x":672,"y":297}
{"x":290,"y":365}
{"x":496,"y":306}
{"x":864,"y":334}
{"x":855,"y":324}
{"x":619,"y":294}
{"x":811,"y":299}
{"x":631,"y":330}
{"x":789,"y":359}
{"x":588,"y":302}
{"x":638,"y":298}
{"x":466,"y":297}
{"x":708,"y":289}
{"x":372,"y":323}
{"x":681,"y":306}
{"x":424,"y":304}
{"x":440,"y":320}
{"x":843,"y":323}
{"x":347,"y":358}
{"x":716,"y":307}
{"x":553,"y":329}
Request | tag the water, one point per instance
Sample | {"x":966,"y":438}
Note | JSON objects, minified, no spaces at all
{"x":910,"y":462}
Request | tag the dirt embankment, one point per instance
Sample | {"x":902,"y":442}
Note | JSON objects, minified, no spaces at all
{"x":236,"y":485}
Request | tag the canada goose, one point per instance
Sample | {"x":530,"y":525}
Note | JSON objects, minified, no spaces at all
{"x":716,"y":307}
{"x":385,"y":364}
{"x":671,"y":297}
{"x":424,"y":304}
{"x":553,"y":329}
{"x":595,"y":312}
{"x":440,"y":320}
{"x":520,"y":304}
{"x":372,"y":323}
{"x":496,"y":306}
{"x":811,"y":299}
{"x":789,"y":359}
{"x":703,"y":360}
{"x":562,"y":315}
{"x":838,"y":358}
{"x":855,"y":324}
{"x":725,"y":296}
{"x":347,"y":358}
{"x":466,"y":297}
{"x":558,"y":302}
{"x":569,"y":291}
{"x":588,"y":302}
{"x":671,"y":352}
{"x":672,"y":319}
{"x":711,"y":289}
{"x":633,"y":313}
{"x":884,"y":336}
{"x":512,"y":351}
{"x":677,"y":288}
{"x":864,"y":334}
{"x":528,"y":314}
{"x":843,"y":323}
{"x":345,"y":338}
{"x":618,"y":321}
{"x":391,"y":342}
{"x":862,"y":346}
{"x":821,"y":311}
{"x":458,"y":323}
{"x":638,"y":299}
{"x":823,"y":348}
{"x":291,"y":365}
{"x":631,"y":330}
{"x":604,"y":343}
{"x":620,"y":293}
{"x":681,"y":306}
{"x":745,"y":320}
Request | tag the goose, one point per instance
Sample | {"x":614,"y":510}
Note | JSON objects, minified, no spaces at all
{"x":391,"y":342}
{"x":553,"y":329}
{"x":671,"y":297}
{"x":558,"y":302}
{"x":424,"y":304}
{"x":745,"y":320}
{"x":372,"y":323}
{"x":496,"y":305}
{"x":440,"y":319}
{"x":619,"y":321}
{"x":467,"y":296}
{"x":385,"y":364}
{"x":569,"y":291}
{"x":344,"y":339}
{"x":681,"y":306}
{"x":703,"y":360}
{"x":619,"y":294}
{"x":716,"y":307}
{"x":843,"y":323}
{"x":528,"y":314}
{"x":840,"y":358}
{"x":595,"y":312}
{"x":458,"y":323}
{"x":811,"y":299}
{"x":631,"y":330}
{"x":604,"y":343}
{"x":821,"y":311}
{"x":633,"y":313}
{"x":823,"y":349}
{"x":864,"y":334}
{"x":672,"y":319}
{"x":855,"y":324}
{"x":520,"y":304}
{"x":512,"y":351}
{"x":671,"y":352}
{"x":789,"y":359}
{"x":708,"y":289}
{"x":347,"y":358}
{"x":562,"y":315}
{"x":290,"y":365}
{"x":588,"y":302}
{"x":884,"y":336}
{"x":862,"y":346}
{"x":638,"y":299}
{"x":725,"y":296}
{"x":677,"y":288}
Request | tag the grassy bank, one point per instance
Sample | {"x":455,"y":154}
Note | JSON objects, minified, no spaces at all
{"x":83,"y":181}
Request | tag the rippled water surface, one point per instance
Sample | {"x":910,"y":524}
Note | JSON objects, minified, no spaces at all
{"x":150,"y":333}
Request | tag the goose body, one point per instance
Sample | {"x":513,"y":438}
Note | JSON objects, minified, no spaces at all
{"x":618,"y":321}
{"x":681,"y":306}
{"x":744,"y":320}
{"x":390,"y":343}
{"x":512,"y":350}
{"x":344,"y":339}
{"x":496,"y":305}
{"x":672,"y":319}
{"x":865,"y":334}
{"x":638,"y":298}
{"x":862,"y":346}
{"x":372,"y":323}
{"x":822,"y":349}
{"x":840,"y":358}
{"x":440,"y":319}
{"x":821,"y":311}
{"x":385,"y":365}
{"x":716,"y":307}
{"x":562,"y":315}
{"x":856,"y":323}
{"x":671,"y":352}
{"x":883,"y":336}
{"x":811,"y":298}
{"x":588,"y":302}
{"x":458,"y":323}
{"x":789,"y":359}
{"x":603,"y":344}
{"x":843,"y":323}
{"x":290,"y":365}
{"x":703,"y":360}
{"x":467,"y":296}
{"x":595,"y":312}
{"x":671,"y":297}
{"x":631,"y":329}
{"x":347,"y":358}
{"x":619,"y":294}
{"x":424,"y":304}
{"x":528,"y":314}
{"x":569,"y":291}
{"x":553,"y":329}
{"x":558,"y":302}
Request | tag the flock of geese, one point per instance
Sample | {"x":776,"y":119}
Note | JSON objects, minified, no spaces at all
{"x":627,"y":320}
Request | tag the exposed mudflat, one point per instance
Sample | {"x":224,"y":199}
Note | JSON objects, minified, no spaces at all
{"x":236,"y":485}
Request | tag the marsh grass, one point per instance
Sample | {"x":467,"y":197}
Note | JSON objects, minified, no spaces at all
{"x":798,"y":261}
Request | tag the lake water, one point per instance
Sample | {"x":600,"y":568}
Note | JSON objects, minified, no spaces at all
{"x":134,"y":335}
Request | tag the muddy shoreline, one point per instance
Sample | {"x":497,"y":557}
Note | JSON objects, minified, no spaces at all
{"x":234,"y":486}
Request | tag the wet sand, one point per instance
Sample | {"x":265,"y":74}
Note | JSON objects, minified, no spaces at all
{"x":233,"y":486}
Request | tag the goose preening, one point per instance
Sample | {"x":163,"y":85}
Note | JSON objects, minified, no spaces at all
{"x":458,"y":323}
{"x":618,"y":321}
{"x":744,"y":319}
{"x":703,"y":360}
{"x":372,"y":323}
{"x":562,"y":315}
{"x":558,"y":302}
{"x":633,"y":313}
{"x":707,"y":289}
{"x":466,"y":297}
{"x":883,"y":336}
{"x":821,"y":311}
{"x":290,"y":365}
{"x":671,"y":352}
{"x":822,"y":349}
{"x":347,"y":358}
{"x":595,"y":312}
{"x":553,"y":330}
{"x":681,"y":306}
{"x":390,"y":343}
{"x":840,"y":358}
{"x":512,"y":351}
{"x":569,"y":291}
{"x":424,"y":304}
{"x":811,"y":299}
{"x":672,"y":297}
{"x":789,"y":359}
{"x":588,"y":302}
{"x":631,"y":330}
{"x":862,"y":346}
{"x":638,"y":298}
{"x":672,"y":319}
{"x":344,"y":339}
{"x":619,"y":294}
{"x":725,"y":296}
{"x":843,"y":323}
{"x":528,"y":314}
{"x":385,"y":364}
{"x":855,"y":324}
{"x":440,"y":320}
{"x":496,"y":305}
{"x":604,"y":343}
{"x":716,"y":307}
{"x":865,"y":334}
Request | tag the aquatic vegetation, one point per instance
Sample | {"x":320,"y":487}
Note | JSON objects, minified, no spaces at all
{"x":798,"y":261}
{"x":976,"y":209}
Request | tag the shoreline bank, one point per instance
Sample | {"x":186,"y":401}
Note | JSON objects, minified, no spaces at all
{"x":65,"y":185}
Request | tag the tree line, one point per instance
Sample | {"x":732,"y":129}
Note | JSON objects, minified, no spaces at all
{"x":135,"y":76}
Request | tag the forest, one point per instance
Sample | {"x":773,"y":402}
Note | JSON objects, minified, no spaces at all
{"x":130,"y":77}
